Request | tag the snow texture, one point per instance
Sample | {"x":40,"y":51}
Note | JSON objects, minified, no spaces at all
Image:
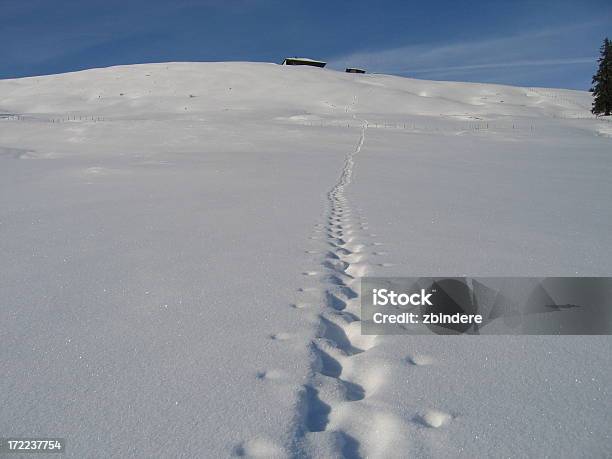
{"x":181,"y":247}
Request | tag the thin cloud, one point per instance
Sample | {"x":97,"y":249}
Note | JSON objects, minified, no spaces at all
{"x":497,"y":65}
{"x":538,"y":48}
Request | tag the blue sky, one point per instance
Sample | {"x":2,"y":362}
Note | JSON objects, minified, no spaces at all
{"x":531,"y":43}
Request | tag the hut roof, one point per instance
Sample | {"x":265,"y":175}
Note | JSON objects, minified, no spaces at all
{"x":305,"y":60}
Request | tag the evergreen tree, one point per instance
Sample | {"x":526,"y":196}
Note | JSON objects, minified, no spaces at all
{"x":602,"y":82}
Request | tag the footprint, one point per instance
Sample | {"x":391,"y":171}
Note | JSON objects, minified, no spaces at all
{"x":337,"y":335}
{"x":348,"y":445}
{"x":300,"y":305}
{"x":329,"y":365}
{"x":344,"y":292}
{"x":282,"y":336}
{"x":317,"y":411}
{"x":353,"y":392}
{"x":273,"y":375}
{"x":259,"y":447}
{"x":334,"y":302}
{"x":335,"y":279}
{"x":337,"y":242}
{"x":336,"y":265}
{"x":434,"y":418}
{"x":420,"y":360}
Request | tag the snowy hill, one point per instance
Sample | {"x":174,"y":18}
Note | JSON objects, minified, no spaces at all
{"x":177,"y":88}
{"x":180,"y":243}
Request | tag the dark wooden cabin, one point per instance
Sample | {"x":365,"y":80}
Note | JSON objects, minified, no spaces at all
{"x":303,"y":61}
{"x":355,"y":70}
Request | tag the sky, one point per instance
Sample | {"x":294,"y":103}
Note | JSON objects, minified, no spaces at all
{"x":527,"y":43}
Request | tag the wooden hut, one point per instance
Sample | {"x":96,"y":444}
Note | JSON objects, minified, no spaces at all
{"x":355,"y":70}
{"x":303,"y":61}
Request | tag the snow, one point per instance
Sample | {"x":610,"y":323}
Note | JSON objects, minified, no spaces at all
{"x":182,"y":242}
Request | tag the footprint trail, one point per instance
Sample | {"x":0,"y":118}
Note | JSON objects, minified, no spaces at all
{"x":336,"y":393}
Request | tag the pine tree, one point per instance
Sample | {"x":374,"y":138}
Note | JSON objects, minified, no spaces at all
{"x":602,"y":82}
